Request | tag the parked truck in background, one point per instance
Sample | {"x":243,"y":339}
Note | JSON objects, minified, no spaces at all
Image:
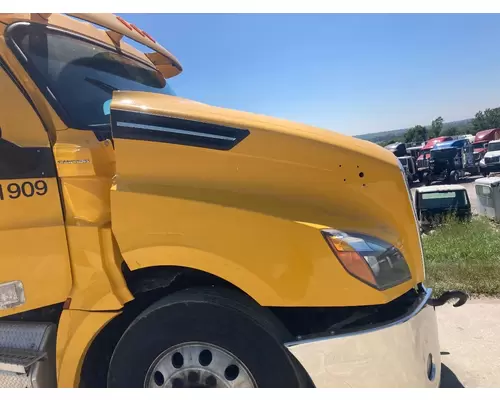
{"x":481,"y":141}
{"x":425,"y":153}
{"x":398,"y":149}
{"x":407,"y":161}
{"x":469,"y":137}
{"x":434,"y":204}
{"x":414,"y":151}
{"x":491,"y":160}
{"x":450,"y":161}
{"x":147,"y":240}
{"x":408,"y":165}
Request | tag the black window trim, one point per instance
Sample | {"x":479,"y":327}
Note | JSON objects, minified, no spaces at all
{"x":41,"y":82}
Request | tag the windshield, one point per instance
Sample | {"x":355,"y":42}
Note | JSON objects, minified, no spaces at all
{"x":82,"y":75}
{"x":449,"y":199}
{"x":424,"y":153}
{"x":479,"y":145}
{"x":494,"y":146}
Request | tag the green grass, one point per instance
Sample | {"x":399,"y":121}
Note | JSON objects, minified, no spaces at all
{"x":464,"y":256}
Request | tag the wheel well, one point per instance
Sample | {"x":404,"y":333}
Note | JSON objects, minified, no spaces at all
{"x":147,"y":285}
{"x":170,"y":278}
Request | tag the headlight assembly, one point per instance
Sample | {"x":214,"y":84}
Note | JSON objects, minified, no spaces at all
{"x":369,"y":259}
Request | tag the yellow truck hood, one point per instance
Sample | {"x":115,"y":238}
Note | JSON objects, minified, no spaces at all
{"x":283,"y":170}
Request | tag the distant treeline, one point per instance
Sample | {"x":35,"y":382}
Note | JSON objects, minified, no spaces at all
{"x":487,"y":119}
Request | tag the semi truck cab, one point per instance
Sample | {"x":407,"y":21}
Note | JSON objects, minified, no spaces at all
{"x":491,"y":160}
{"x":148,"y":240}
{"x":481,"y":140}
{"x":425,"y":155}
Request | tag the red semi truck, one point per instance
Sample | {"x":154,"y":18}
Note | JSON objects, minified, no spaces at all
{"x":481,"y":139}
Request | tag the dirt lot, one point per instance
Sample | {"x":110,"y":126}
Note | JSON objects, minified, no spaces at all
{"x":470,"y":344}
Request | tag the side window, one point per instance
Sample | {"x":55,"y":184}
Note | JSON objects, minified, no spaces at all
{"x":25,"y":150}
{"x":483,"y":190}
{"x":19,"y":123}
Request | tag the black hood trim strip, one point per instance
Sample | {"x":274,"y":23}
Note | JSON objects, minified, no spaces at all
{"x":155,"y":128}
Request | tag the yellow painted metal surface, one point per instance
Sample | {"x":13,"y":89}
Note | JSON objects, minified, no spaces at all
{"x":86,"y":167}
{"x":251,"y":215}
{"x":97,"y":280}
{"x":33,"y":246}
{"x":161,"y":58}
{"x":76,"y":331}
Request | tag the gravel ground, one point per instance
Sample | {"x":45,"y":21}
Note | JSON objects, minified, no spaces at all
{"x":470,"y":344}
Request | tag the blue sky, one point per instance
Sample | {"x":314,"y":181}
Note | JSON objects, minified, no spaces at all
{"x":352,"y":74}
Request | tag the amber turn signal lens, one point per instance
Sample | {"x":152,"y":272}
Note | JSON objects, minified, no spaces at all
{"x":352,"y":261}
{"x":357,"y":266}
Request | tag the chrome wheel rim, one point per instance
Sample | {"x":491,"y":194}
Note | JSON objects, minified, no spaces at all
{"x":197,"y":365}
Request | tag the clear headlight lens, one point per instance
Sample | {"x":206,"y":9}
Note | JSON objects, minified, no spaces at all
{"x":369,"y":259}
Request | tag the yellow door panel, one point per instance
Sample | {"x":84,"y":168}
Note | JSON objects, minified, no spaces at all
{"x":33,"y":246}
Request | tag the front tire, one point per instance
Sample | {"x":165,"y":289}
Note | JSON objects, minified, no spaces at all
{"x":204,"y":338}
{"x":453,"y":177}
{"x":426,"y":177}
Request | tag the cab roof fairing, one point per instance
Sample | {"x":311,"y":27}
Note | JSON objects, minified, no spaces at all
{"x":115,"y":29}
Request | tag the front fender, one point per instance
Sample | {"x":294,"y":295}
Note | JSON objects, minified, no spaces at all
{"x":276,"y":261}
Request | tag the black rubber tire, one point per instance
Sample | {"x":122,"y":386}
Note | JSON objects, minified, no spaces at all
{"x":453,"y":177}
{"x":221,"y":317}
{"x":426,"y":178}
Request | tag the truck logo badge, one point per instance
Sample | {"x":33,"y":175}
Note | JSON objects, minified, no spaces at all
{"x":73,"y":161}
